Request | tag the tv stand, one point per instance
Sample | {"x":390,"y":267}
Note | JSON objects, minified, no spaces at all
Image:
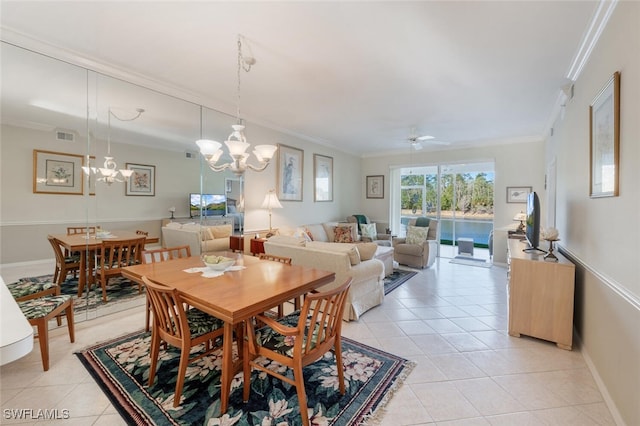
{"x":540,"y":296}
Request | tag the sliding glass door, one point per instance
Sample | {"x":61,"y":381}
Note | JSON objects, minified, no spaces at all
{"x":460,"y":196}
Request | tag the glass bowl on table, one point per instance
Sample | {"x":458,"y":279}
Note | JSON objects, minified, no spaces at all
{"x":217,"y":263}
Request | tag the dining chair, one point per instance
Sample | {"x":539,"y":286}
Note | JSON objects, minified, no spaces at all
{"x":183,"y":329}
{"x":27,"y":289}
{"x":297,"y":340}
{"x":72,"y":230}
{"x":286,"y":261}
{"x":113,"y":255}
{"x":40,"y":311}
{"x":161,"y":255}
{"x":64,"y":264}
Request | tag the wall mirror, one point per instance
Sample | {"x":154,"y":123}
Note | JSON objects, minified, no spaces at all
{"x":51,"y":105}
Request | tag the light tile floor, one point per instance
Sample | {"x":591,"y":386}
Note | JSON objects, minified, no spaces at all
{"x":450,"y":319}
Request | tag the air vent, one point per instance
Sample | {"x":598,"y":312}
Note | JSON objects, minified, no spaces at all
{"x":190,"y":154}
{"x":62,"y":135}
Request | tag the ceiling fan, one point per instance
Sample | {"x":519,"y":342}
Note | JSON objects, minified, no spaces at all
{"x":416,"y":140}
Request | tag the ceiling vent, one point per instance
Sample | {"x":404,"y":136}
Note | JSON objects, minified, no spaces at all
{"x":190,"y":154}
{"x":65,"y":135}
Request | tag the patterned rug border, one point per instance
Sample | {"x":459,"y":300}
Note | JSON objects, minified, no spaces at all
{"x":370,"y":412}
{"x":388,"y":288}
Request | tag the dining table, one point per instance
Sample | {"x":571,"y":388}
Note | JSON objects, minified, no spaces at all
{"x":251,"y":287}
{"x":87,"y":245}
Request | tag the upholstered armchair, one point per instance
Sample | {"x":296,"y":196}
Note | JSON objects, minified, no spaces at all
{"x":420,"y":247}
{"x":374,"y":232}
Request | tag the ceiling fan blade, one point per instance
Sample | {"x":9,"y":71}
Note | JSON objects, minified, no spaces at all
{"x":417,"y":146}
{"x":425,"y":138}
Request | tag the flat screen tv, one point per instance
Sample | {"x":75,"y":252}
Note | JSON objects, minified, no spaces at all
{"x":207,"y":204}
{"x":533,"y":222}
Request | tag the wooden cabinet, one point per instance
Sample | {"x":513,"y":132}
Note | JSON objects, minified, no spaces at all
{"x":257,"y":246}
{"x":540,"y":296}
{"x":236,"y":243}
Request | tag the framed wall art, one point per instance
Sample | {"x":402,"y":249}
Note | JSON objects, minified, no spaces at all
{"x":375,"y":186}
{"x":604,"y":140}
{"x":323,"y":178}
{"x":518,"y":194}
{"x":290,"y":173}
{"x":57,"y":173}
{"x":142,"y":181}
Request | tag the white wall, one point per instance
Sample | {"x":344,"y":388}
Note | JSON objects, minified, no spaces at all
{"x":601,"y":235}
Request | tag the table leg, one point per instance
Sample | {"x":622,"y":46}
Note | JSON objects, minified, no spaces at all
{"x":227,"y":367}
{"x":82,"y":273}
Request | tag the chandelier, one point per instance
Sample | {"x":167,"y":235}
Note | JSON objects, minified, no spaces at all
{"x":110,"y":173}
{"x":237,"y":142}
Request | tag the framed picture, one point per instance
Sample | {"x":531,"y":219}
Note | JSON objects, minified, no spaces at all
{"x":323,"y":176}
{"x":57,"y":173}
{"x":290,"y":169}
{"x":375,"y":186}
{"x":142,"y":181}
{"x":518,"y":194}
{"x":604,"y":140}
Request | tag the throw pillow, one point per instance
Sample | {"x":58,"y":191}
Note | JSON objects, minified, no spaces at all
{"x":417,"y":234}
{"x":368,"y":230}
{"x":367,"y":250}
{"x":301,"y":233}
{"x":342,"y":234}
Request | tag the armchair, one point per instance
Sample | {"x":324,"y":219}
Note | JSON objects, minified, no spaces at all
{"x":418,"y":255}
{"x":377,"y":235}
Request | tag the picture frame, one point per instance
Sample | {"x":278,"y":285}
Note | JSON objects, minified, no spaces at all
{"x":375,"y":186}
{"x":290,"y":173}
{"x":57,"y":173}
{"x":518,"y":194}
{"x":604,"y":140}
{"x":323,"y":178}
{"x":143,"y":180}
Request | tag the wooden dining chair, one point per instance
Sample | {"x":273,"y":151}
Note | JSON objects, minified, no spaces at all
{"x":40,"y":311}
{"x":297,"y":340}
{"x":64,"y":264}
{"x":27,"y":289}
{"x":113,"y":255}
{"x":287,"y":261}
{"x":161,"y":255}
{"x":183,"y":329}
{"x":72,"y":230}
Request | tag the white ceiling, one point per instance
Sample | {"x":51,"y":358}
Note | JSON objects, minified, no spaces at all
{"x":354,"y":75}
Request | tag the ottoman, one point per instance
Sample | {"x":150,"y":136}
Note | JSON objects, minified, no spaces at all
{"x":385,"y":254}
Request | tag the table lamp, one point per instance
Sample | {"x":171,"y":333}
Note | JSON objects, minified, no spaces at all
{"x":520,"y":217}
{"x":271,"y":202}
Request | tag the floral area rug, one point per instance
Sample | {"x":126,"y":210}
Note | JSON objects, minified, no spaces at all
{"x":396,"y":279}
{"x":118,"y":289}
{"x":121,"y":368}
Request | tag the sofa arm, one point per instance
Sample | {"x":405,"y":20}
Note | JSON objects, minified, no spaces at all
{"x":431,"y":247}
{"x":217,"y":244}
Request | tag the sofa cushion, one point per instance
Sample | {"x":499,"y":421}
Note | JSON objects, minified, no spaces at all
{"x":204,"y":235}
{"x":349,"y":249}
{"x":317,"y":232}
{"x":410,"y":249}
{"x":367,"y":250}
{"x":220,"y":231}
{"x":368,"y":230}
{"x":288,"y":240}
{"x":417,"y":234}
{"x":342,"y":234}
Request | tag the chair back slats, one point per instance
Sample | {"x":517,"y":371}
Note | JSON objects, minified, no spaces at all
{"x":57,"y":249}
{"x":321,"y":316}
{"x":163,"y":254}
{"x":168,"y":309}
{"x":116,"y":254}
{"x":72,"y":230}
{"x":282,"y":259}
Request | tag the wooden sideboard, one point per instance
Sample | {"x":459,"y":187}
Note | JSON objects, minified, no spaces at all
{"x":540,"y":296}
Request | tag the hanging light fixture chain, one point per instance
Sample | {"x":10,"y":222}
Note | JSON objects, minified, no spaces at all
{"x":238,"y":71}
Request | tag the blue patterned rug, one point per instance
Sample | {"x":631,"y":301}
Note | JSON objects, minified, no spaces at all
{"x":118,"y":289}
{"x":121,"y":368}
{"x":396,"y":279}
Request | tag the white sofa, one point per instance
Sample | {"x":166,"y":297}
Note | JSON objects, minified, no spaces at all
{"x":367,"y":287}
{"x":200,"y":239}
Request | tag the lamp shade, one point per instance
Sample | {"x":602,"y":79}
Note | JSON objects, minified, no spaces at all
{"x":520,"y":216}
{"x":271,"y":201}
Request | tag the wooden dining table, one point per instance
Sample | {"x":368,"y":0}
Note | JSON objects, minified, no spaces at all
{"x":233,"y":297}
{"x":87,"y":245}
